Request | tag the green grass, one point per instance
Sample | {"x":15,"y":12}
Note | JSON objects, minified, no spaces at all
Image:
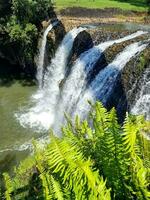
{"x":136,"y":5}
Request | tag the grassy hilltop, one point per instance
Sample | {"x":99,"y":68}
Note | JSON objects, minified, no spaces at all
{"x":136,"y":5}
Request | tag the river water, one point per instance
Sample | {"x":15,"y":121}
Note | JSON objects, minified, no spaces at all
{"x":12,"y":135}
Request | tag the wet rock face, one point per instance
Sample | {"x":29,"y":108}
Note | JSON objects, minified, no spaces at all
{"x":57,"y":34}
{"x":102,"y":35}
{"x":82,"y":43}
{"x":127,"y":84}
{"x":88,"y":38}
{"x":132,"y":74}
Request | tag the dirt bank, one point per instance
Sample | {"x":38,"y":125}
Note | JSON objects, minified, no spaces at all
{"x":102,"y":13}
{"x":72,"y":17}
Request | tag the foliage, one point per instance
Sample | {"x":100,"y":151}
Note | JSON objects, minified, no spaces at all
{"x":5,"y":7}
{"x":148,"y":4}
{"x":32,"y":11}
{"x":21,"y":25}
{"x":24,"y":38}
{"x":96,"y":160}
{"x":144,"y":60}
{"x":8,"y":185}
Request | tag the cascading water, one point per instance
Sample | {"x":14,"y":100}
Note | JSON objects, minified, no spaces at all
{"x":142,"y":101}
{"x":102,"y":86}
{"x":76,"y":81}
{"x":39,"y":75}
{"x":50,"y":102}
{"x":41,"y":115}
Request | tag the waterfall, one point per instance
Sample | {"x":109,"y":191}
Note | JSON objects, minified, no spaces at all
{"x":102,"y":86}
{"x":56,"y":70}
{"x":142,"y":101}
{"x":39,"y":75}
{"x":76,"y":81}
{"x":41,"y":115}
{"x":48,"y":104}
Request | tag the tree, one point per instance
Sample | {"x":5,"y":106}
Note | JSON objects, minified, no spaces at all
{"x":20,"y":27}
{"x":148,"y":3}
{"x":5,"y":8}
{"x":31,"y":11}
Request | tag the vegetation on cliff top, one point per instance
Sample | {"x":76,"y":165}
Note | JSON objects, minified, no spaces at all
{"x":97,"y":160}
{"x":19,"y":27}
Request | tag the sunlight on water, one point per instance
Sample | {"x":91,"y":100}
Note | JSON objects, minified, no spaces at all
{"x":41,"y":115}
{"x":49,"y":103}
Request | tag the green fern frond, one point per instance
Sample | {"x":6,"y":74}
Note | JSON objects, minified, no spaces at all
{"x":100,"y":117}
{"x":58,"y":194}
{"x":68,"y":161}
{"x":130,"y":133}
{"x":8,"y":186}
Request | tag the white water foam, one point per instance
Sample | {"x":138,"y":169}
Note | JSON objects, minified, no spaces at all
{"x":28,"y":145}
{"x":40,"y":117}
{"x":39,"y":75}
{"x":142,"y":102}
{"x":103,"y":84}
{"x":76,"y":81}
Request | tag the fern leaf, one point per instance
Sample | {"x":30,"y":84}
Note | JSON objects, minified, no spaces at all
{"x":8,"y":186}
